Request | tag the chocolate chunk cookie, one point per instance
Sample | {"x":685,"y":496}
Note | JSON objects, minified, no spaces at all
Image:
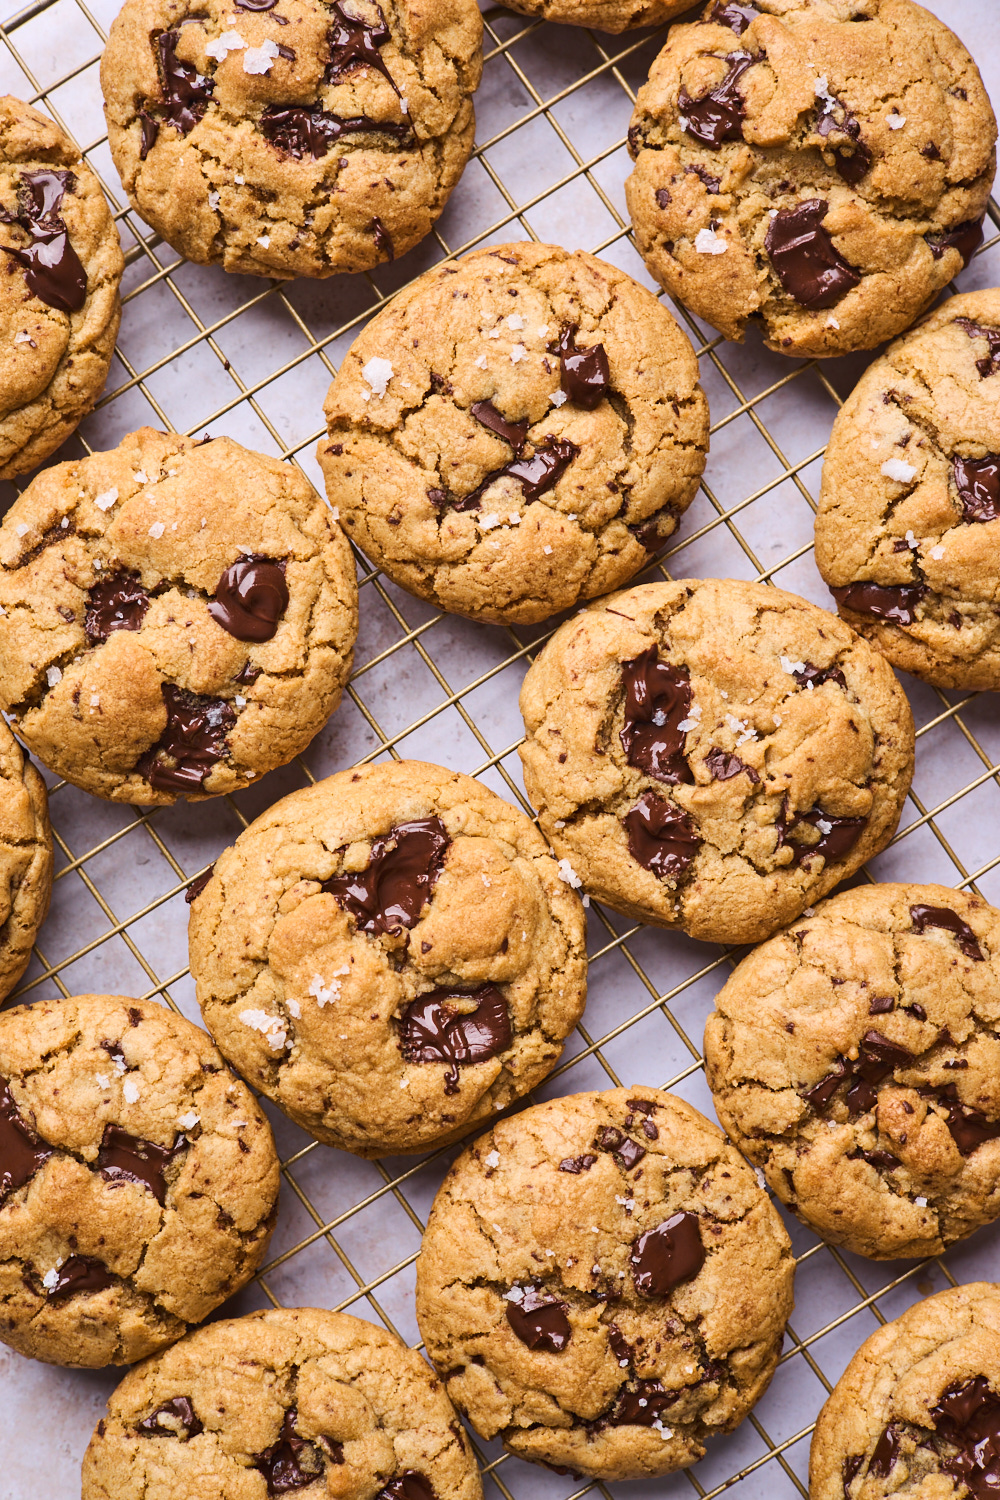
{"x":908,"y":529}
{"x":317,"y":1403}
{"x":604,"y":1285}
{"x":59,"y":304}
{"x":603,"y":15}
{"x":518,"y":431}
{"x":822,"y":166}
{"x":25,"y":858}
{"x":917,"y":1411}
{"x":714,"y":755}
{"x":855,"y":1059}
{"x":391,"y":956}
{"x":291,"y":137}
{"x":138,"y":1179}
{"x":180,"y":617}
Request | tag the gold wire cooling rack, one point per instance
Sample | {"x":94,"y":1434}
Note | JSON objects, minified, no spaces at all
{"x":202,"y":351}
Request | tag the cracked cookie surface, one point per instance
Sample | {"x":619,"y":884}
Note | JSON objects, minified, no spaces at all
{"x":295,"y":138}
{"x":59,"y":303}
{"x":391,"y":956}
{"x":603,"y":1284}
{"x":516,"y":432}
{"x":820,"y":165}
{"x":916,"y":1414}
{"x":603,"y":15}
{"x":908,"y":526}
{"x":289,"y":1400}
{"x":25,"y":859}
{"x":714,"y":755}
{"x":855,"y":1059}
{"x":179,"y":617}
{"x":138,"y":1179}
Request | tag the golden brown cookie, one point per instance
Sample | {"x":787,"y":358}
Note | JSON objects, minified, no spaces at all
{"x":603,"y":15}
{"x":516,"y":432}
{"x":25,"y":858}
{"x":292,"y":1400}
{"x":917,"y":1411}
{"x":59,"y":303}
{"x":820,"y":165}
{"x":180,"y":617}
{"x":604,"y":1285}
{"x":390,"y":955}
{"x":293,"y":137}
{"x":854,"y":1059}
{"x":138,"y":1179}
{"x":908,"y":527}
{"x":714,"y":755}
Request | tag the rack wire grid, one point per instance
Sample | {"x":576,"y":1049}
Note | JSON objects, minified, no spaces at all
{"x":200,"y":350}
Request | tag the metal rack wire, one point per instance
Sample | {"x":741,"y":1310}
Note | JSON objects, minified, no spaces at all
{"x":553,"y":111}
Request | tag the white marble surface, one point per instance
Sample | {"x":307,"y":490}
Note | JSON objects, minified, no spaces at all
{"x":46,"y":1415}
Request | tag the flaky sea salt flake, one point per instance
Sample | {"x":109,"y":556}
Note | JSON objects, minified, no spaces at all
{"x":260,"y":59}
{"x":157,"y":529}
{"x":569,"y":875}
{"x":130,"y":1090}
{"x":53,"y":675}
{"x":378,"y":373}
{"x":894,"y":121}
{"x":229,"y":41}
{"x":493,"y":1159}
{"x":895,"y":468}
{"x":707,"y":242}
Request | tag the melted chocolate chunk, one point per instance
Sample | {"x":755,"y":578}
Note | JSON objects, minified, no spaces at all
{"x":547,"y":465}
{"x":663,"y":1257}
{"x":195,"y":739}
{"x":514,"y":433}
{"x":52,"y":269}
{"x":175,"y":1418}
{"x":250,"y":598}
{"x":736,"y":16}
{"x":876,"y":1159}
{"x":585,"y":372}
{"x":969,"y":1127}
{"x":248,"y":673}
{"x":300,"y":130}
{"x":408,"y":1486}
{"x":897,"y":604}
{"x":940,"y":916}
{"x":877,"y":1058}
{"x":185,"y":92}
{"x":22,"y":1153}
{"x":968,"y":1420}
{"x":851,"y":162}
{"x":355,"y":43}
{"x":647,"y":533}
{"x":198,"y":884}
{"x":256,"y":5}
{"x":402,"y":871}
{"x":576,"y":1164}
{"x":965,"y":238}
{"x":718,"y":115}
{"x":851,"y":1467}
{"x":978,"y":483}
{"x":724,"y":765}
{"x":540,"y":1322}
{"x":626,"y":1152}
{"x":127,"y":1158}
{"x":991,"y":363}
{"x":433,"y":1030}
{"x":886,"y":1452}
{"x":117,"y":601}
{"x":640,"y":1406}
{"x":809,"y":676}
{"x":662,"y":838}
{"x":837,"y":836}
{"x":149,"y":129}
{"x":657,"y":701}
{"x":810,"y":267}
{"x":292,"y":1462}
{"x":712,"y":184}
{"x":881,"y":1005}
{"x":80,"y":1273}
{"x":383,"y":239}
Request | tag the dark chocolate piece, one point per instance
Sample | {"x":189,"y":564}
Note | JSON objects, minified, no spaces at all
{"x":881,"y":1005}
{"x":810,"y":267}
{"x":576,"y":1164}
{"x":662,"y":838}
{"x":248,"y":673}
{"x":626,"y":1152}
{"x":851,"y":1467}
{"x":195,"y":739}
{"x":550,"y":460}
{"x":667,"y":1255}
{"x":408,"y":1486}
{"x":250,"y":598}
{"x":383,"y":240}
{"x":712,"y":183}
{"x":991,"y":362}
{"x":886,"y":1452}
{"x":884,"y":1159}
{"x":402,"y":871}
{"x":303,"y":130}
{"x":127,"y":1158}
{"x":256,"y":5}
{"x":198,"y":884}
{"x":585,"y":372}
{"x":736,"y":16}
{"x":433,"y":1030}
{"x":897,"y":604}
{"x":117,"y":601}
{"x":718,"y":115}
{"x":647,"y":533}
{"x":80,"y":1273}
{"x":941,"y":916}
{"x":657,"y":702}
{"x":965,"y":238}
{"x":355,"y":43}
{"x":809,"y":676}
{"x":185,"y":92}
{"x":851,"y":161}
{"x":52,"y":269}
{"x":969,"y":1127}
{"x":837,"y":835}
{"x":877,"y":1058}
{"x":22,"y":1152}
{"x":724,"y":765}
{"x":978,"y":483}
{"x":639,"y":1405}
{"x":175,"y":1418}
{"x":540,"y":1322}
{"x":514,"y":433}
{"x":968,"y":1420}
{"x":292,"y":1462}
{"x":149,"y":129}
